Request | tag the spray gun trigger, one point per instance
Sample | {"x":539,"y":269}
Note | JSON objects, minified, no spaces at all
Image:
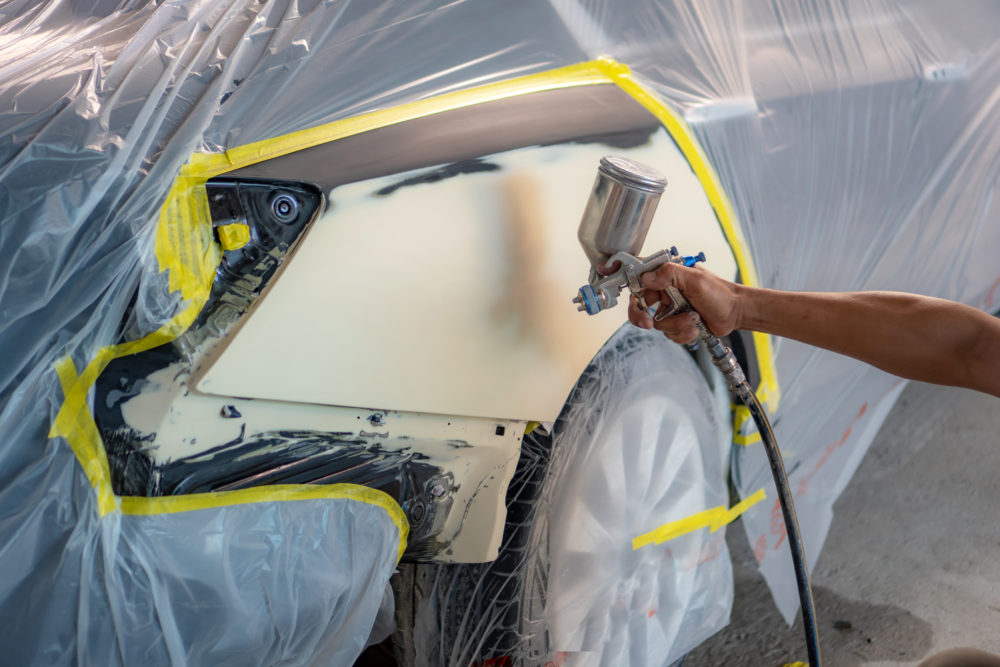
{"x":633,"y":279}
{"x":679,"y":304}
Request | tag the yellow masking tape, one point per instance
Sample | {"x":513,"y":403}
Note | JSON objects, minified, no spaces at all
{"x":564,"y":77}
{"x":274,"y":493}
{"x":713,"y":519}
{"x":184,"y":244}
{"x":746,"y":440}
{"x":233,"y":236}
{"x":186,"y":250}
{"x":741,"y":418}
{"x":75,"y":423}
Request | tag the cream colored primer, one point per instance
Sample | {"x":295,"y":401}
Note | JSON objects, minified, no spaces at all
{"x":453,"y":297}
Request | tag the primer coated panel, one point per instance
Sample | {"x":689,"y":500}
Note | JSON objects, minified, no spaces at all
{"x":452,"y":296}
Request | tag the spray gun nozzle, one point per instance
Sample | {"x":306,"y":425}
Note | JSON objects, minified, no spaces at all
{"x":587,"y":300}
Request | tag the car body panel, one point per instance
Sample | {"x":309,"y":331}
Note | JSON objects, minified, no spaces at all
{"x":330,"y":343}
{"x":451,"y":297}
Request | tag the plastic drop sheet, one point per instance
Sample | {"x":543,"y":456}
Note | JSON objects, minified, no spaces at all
{"x":857,"y":143}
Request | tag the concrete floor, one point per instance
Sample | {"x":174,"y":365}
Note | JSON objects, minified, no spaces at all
{"x":912,"y":563}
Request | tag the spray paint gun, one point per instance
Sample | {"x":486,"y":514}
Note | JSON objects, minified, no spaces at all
{"x":612,"y":230}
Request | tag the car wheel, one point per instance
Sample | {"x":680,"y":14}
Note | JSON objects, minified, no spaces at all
{"x":636,"y":446}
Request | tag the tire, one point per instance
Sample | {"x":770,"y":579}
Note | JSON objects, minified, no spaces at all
{"x":636,"y":445}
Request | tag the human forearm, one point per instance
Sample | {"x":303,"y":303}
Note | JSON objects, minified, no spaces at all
{"x":916,"y":337}
{"x":912,"y":336}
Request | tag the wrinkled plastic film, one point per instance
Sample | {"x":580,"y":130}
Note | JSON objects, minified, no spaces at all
{"x":120,"y":588}
{"x":856,"y":143}
{"x":910,"y":219}
{"x":634,"y":450}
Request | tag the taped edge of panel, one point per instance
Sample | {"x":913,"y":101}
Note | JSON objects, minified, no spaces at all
{"x":186,"y":250}
{"x":76,"y":424}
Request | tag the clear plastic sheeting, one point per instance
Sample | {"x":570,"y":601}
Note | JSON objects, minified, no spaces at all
{"x":868,"y":159}
{"x":649,"y":456}
{"x":637,"y":448}
{"x":239,"y":585}
{"x":856,"y":141}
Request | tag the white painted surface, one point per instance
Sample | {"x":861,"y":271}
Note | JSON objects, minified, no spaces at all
{"x":452,"y":297}
{"x":185,"y":424}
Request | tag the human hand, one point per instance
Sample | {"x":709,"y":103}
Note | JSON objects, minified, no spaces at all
{"x":716,"y":301}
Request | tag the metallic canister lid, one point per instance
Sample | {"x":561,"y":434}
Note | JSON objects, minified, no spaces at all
{"x":633,"y":174}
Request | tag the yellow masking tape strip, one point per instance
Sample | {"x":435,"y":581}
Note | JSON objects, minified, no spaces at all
{"x":233,"y":236}
{"x":75,"y":423}
{"x":768,"y":392}
{"x":715,"y":518}
{"x":746,"y":440}
{"x":740,"y":419}
{"x":275,"y":493}
{"x":186,"y":249}
{"x":564,"y":77}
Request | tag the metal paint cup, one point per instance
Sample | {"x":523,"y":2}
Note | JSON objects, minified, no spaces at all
{"x":620,"y":209}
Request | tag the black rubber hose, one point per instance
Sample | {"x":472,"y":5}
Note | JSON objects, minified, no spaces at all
{"x":791,"y":525}
{"x":725,"y":361}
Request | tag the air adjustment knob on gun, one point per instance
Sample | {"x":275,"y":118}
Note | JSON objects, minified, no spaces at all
{"x":691,"y":260}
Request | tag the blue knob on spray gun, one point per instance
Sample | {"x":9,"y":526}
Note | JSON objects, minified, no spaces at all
{"x":691,"y":260}
{"x":687,"y":260}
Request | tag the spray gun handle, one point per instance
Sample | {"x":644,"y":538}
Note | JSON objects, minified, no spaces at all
{"x":678,"y":305}
{"x":722,"y":357}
